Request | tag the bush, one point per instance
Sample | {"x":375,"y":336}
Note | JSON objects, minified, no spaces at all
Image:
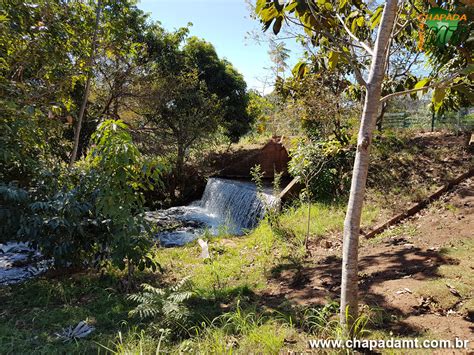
{"x":63,"y":227}
{"x":116,"y":174}
{"x":324,"y":167}
{"x":96,"y":213}
{"x":13,"y":204}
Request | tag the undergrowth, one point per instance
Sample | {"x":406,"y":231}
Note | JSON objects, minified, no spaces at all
{"x":223,"y":312}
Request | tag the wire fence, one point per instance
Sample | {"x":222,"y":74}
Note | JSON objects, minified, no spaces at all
{"x":463,"y":120}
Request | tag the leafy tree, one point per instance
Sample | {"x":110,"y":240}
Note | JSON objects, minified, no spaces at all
{"x":47,"y":63}
{"x":260,"y":109}
{"x":120,"y":60}
{"x":325,"y":109}
{"x":363,"y":39}
{"x":307,"y":162}
{"x":181,"y":113}
{"x":40,"y":70}
{"x":89,"y":65}
{"x":119,"y":174}
{"x":188,"y":95}
{"x":126,"y":50}
{"x":224,"y":81}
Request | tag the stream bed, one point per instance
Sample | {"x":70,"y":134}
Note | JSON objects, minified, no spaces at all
{"x":19,"y":262}
{"x":230,"y":206}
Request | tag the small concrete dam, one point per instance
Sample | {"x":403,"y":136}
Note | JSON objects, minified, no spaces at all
{"x":230,"y":203}
{"x":228,"y":206}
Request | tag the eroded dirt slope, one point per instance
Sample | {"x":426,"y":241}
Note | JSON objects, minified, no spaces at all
{"x":420,"y":272}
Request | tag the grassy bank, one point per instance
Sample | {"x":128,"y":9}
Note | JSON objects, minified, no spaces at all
{"x":245,"y":298}
{"x":226,"y":308}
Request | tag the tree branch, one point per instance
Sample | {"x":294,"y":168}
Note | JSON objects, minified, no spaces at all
{"x":354,"y":37}
{"x":351,"y":60}
{"x":440,"y":83}
{"x":409,"y":65}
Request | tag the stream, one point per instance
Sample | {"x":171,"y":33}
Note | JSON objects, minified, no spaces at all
{"x":228,"y":206}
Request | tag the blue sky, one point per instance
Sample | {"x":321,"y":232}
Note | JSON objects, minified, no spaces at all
{"x":224,"y":23}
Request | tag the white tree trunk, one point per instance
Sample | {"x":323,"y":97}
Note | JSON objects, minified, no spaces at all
{"x":349,"y":296}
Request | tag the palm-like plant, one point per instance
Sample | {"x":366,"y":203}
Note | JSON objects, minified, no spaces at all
{"x":166,"y":305}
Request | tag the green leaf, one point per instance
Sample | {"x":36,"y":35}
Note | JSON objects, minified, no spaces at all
{"x":333,"y":59}
{"x":354,"y":25}
{"x":438,"y":97}
{"x":260,"y":5}
{"x":360,"y":21}
{"x":376,"y":17}
{"x":422,"y":83}
{"x":268,"y":14}
{"x":342,"y":3}
{"x":353,"y":14}
{"x":299,"y":70}
{"x":468,"y":70}
{"x":291,"y":6}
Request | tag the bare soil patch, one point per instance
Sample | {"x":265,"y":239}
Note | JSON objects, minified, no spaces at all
{"x":419,"y":271}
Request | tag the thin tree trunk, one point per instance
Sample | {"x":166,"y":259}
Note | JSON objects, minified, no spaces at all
{"x":381,"y":116}
{"x":433,"y":117}
{"x":77,"y":131}
{"x":309,"y":219}
{"x":179,"y":167}
{"x":349,"y":291}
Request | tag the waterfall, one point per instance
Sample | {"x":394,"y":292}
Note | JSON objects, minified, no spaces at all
{"x":236,"y":203}
{"x":229,"y":205}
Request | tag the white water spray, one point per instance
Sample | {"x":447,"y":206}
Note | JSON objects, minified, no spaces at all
{"x":231,"y":205}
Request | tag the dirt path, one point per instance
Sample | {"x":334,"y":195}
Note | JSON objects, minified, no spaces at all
{"x":420,"y":271}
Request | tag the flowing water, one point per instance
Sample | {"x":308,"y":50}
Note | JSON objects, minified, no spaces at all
{"x":232,"y":206}
{"x":19,"y":262}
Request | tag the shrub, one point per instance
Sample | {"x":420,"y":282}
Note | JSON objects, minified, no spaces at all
{"x":63,"y":227}
{"x":96,"y":212}
{"x":13,"y":203}
{"x":323,"y":167}
{"x":117,"y":174}
{"x":168,"y":306}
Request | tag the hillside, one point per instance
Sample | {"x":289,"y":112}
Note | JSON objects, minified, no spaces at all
{"x":263,"y":292}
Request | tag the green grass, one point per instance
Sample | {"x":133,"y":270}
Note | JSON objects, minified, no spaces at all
{"x":456,"y":273}
{"x":325,"y":218}
{"x":228,"y":314}
{"x":245,"y":261}
{"x":33,"y":312}
{"x":245,"y":330}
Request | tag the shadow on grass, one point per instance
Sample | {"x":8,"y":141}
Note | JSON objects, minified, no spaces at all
{"x":395,"y":260}
{"x":33,"y":312}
